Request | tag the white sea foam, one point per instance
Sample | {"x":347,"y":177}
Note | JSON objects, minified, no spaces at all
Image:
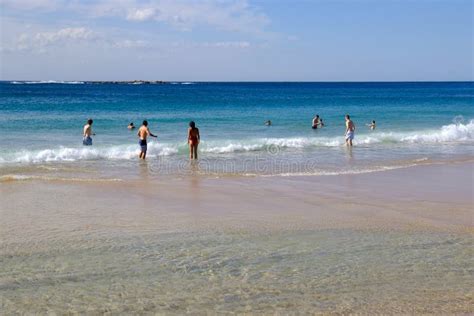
{"x":121,"y":152}
{"x":20,"y":177}
{"x":371,"y":169}
{"x":185,"y":83}
{"x":448,"y":134}
{"x":453,"y":133}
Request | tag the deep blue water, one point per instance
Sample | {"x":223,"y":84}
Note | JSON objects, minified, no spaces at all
{"x":42,"y":123}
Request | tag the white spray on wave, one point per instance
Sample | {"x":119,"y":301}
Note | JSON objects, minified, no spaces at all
{"x":448,"y":134}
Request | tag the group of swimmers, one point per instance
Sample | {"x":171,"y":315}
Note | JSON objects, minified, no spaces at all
{"x":194,"y":138}
{"x":143,"y":132}
{"x":350,"y":127}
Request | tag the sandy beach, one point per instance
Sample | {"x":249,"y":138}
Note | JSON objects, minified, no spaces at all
{"x":397,"y":241}
{"x":236,"y":157}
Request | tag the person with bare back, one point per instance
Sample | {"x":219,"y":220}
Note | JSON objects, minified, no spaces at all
{"x":193,"y":140}
{"x":350,"y":129}
{"x":143,"y":133}
{"x":87,"y":133}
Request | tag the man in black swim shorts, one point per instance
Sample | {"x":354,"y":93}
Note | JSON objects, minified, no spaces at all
{"x":143,"y":133}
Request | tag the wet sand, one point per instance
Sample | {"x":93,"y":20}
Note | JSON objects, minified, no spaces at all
{"x":397,"y":241}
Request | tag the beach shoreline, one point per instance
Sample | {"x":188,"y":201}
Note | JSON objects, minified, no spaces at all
{"x":385,"y":242}
{"x":440,"y":188}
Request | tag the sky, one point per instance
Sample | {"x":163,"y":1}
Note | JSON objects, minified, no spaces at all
{"x":237,"y":40}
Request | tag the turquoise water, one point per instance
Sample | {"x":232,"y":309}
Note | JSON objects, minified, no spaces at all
{"x":206,"y":247}
{"x":308,"y":272}
{"x":41,"y":124}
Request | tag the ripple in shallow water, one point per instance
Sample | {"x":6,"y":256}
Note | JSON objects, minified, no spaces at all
{"x":325,"y":271}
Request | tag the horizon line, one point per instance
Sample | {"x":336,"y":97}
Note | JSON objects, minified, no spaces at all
{"x":238,"y":81}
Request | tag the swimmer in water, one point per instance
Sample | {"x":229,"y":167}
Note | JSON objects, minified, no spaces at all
{"x":131,"y":126}
{"x":316,"y":122}
{"x":193,"y":140}
{"x":268,"y":123}
{"x":371,"y":125}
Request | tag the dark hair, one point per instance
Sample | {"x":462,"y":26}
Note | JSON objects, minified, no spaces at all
{"x":192,"y":124}
{"x":347,"y":116}
{"x":131,"y":124}
{"x":317,"y":115}
{"x":145,"y":123}
{"x":373,"y":122}
{"x":90,"y":121}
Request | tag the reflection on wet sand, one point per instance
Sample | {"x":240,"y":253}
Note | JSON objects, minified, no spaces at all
{"x":256,"y":245}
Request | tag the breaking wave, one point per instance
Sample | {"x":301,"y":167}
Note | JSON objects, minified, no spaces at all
{"x":453,"y":133}
{"x":120,"y":152}
{"x":448,"y":134}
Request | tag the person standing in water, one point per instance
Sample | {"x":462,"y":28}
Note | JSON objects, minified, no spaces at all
{"x":143,"y":133}
{"x":316,"y":122}
{"x":350,"y":129}
{"x":193,"y":140}
{"x":87,"y":133}
{"x":371,"y":125}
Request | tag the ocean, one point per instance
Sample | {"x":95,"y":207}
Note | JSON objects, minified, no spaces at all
{"x":95,"y":230}
{"x":417,"y":123}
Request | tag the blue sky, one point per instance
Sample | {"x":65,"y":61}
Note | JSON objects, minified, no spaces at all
{"x":237,"y":40}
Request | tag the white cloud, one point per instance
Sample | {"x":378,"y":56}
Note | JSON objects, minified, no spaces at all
{"x":35,"y":38}
{"x":41,"y":40}
{"x":185,"y":15}
{"x":69,"y":33}
{"x":231,"y":15}
{"x":141,"y":14}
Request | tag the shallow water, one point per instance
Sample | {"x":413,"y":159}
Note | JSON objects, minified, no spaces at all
{"x":336,"y":270}
{"x":257,"y":245}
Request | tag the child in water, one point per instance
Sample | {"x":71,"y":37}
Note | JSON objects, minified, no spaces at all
{"x":193,"y":140}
